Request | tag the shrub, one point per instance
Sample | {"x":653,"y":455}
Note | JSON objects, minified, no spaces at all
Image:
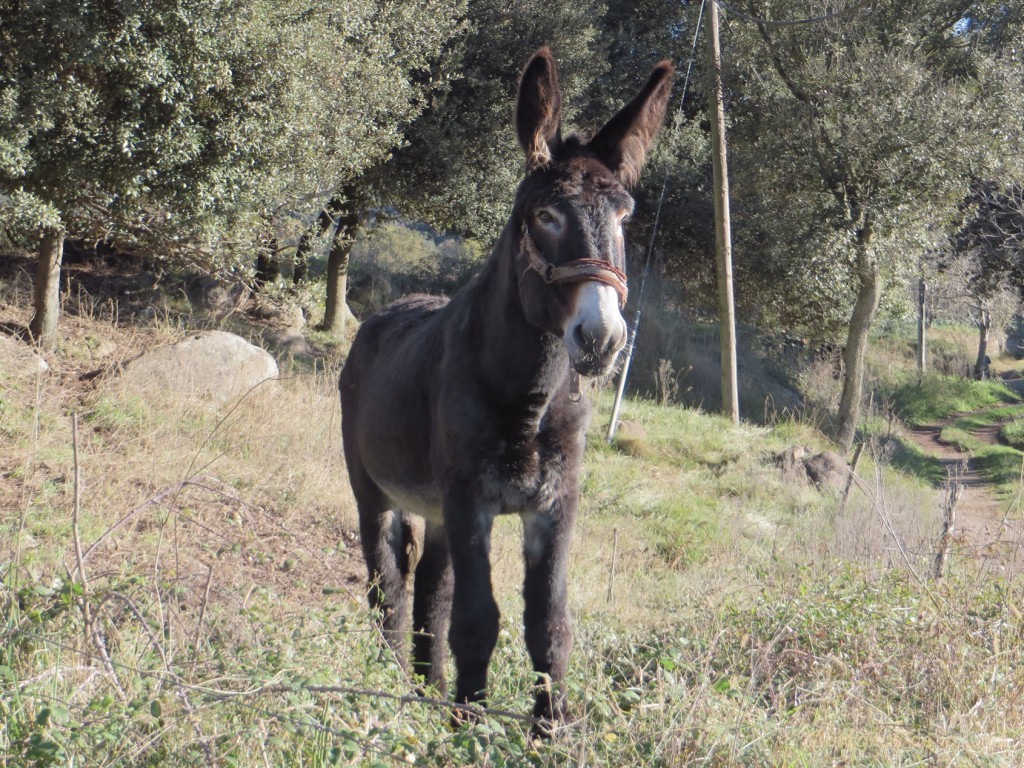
{"x":394,"y":260}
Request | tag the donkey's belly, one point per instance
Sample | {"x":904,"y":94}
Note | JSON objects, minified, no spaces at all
{"x":424,"y":501}
{"x":494,"y":485}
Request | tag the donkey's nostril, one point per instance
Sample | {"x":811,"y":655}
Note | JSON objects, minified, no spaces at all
{"x":577,"y":336}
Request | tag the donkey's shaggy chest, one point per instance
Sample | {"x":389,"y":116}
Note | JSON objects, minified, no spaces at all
{"x":511,"y":478}
{"x":521,"y":477}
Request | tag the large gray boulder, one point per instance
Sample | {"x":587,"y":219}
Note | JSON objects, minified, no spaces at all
{"x":212,"y":366}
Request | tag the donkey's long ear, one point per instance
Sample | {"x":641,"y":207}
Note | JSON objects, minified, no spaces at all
{"x":624,"y":142}
{"x":539,"y":110}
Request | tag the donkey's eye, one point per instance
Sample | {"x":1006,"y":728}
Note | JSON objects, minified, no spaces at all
{"x":545,"y":217}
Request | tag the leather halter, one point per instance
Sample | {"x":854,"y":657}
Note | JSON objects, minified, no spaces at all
{"x":577,"y":271}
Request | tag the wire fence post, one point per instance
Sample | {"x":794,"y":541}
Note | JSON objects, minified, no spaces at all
{"x":622,"y":376}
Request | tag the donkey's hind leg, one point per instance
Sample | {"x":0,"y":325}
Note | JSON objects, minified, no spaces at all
{"x":385,"y":538}
{"x":431,"y":607}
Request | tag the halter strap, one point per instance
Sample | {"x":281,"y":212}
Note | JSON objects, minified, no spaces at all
{"x":578,"y":271}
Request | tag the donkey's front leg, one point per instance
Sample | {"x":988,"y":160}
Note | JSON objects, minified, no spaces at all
{"x":546,"y":539}
{"x":474,"y":620}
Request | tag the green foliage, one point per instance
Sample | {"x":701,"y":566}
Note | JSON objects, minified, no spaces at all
{"x":394,"y":260}
{"x":828,"y":657}
{"x":461,"y":164}
{"x":986,"y":418}
{"x":843,"y":132}
{"x":938,"y":396}
{"x":187,"y":127}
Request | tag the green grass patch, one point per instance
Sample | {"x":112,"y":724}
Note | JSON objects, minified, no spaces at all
{"x":987,"y":417}
{"x":1001,"y":466}
{"x":938,"y":397}
{"x":1013,"y":433}
{"x":908,"y":458}
{"x":960,"y":439}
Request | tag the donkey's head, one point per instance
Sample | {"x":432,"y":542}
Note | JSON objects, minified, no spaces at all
{"x":572,"y":206}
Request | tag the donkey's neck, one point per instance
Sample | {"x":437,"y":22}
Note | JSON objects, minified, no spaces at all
{"x":519,"y":359}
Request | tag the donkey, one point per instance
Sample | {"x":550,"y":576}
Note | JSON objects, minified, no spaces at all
{"x":461,"y":410}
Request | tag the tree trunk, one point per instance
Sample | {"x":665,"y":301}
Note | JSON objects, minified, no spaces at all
{"x":268,"y":263}
{"x":43,"y":327}
{"x":869,"y":293}
{"x":300,"y":266}
{"x":337,"y":312}
{"x":324,"y":220}
{"x":723,"y":236}
{"x":984,"y":326}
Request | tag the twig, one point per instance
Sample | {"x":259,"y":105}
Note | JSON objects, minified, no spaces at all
{"x":129,"y":515}
{"x":134,"y":610}
{"x":76,"y":506}
{"x":202,"y":613}
{"x":91,"y":631}
{"x":849,"y":480}
{"x":180,"y":686}
{"x":615,"y":552}
{"x":896,"y":539}
{"x":953,"y":490}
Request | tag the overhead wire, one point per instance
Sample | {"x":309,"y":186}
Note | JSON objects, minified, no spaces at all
{"x":686,"y":82}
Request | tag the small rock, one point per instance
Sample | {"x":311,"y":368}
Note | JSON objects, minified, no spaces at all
{"x":826,"y":470}
{"x":288,"y":316}
{"x":217,"y":298}
{"x":289,"y":342}
{"x":19,"y":359}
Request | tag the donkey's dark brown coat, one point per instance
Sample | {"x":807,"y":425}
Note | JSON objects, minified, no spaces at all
{"x":461,"y":410}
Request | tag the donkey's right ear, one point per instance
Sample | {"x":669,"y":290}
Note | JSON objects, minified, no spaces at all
{"x":539,"y":110}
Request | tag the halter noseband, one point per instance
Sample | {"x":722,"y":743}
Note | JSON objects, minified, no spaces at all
{"x":578,"y":271}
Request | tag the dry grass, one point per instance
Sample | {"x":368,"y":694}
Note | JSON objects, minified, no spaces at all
{"x":218,"y":619}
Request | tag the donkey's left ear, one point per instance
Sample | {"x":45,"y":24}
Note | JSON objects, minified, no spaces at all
{"x":624,"y":141}
{"x":539,"y":110}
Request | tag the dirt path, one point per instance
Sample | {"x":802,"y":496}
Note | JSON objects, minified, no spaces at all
{"x":982,"y":524}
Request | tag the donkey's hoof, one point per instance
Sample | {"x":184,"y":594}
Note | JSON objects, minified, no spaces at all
{"x":549,"y":712}
{"x":463,"y":715}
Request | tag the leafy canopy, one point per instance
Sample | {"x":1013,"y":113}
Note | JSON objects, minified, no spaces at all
{"x":189,"y":124}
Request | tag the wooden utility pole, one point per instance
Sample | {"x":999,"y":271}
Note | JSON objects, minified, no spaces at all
{"x":723,"y":236}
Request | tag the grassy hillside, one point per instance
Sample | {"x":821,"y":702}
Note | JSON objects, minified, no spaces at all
{"x":184,"y":587}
